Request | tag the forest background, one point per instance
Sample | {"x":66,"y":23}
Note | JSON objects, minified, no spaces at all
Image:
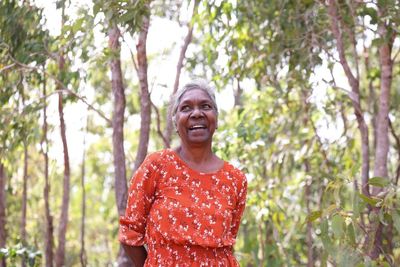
{"x":309,"y":94}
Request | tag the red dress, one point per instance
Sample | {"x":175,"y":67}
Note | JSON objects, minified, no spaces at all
{"x":185,"y":217}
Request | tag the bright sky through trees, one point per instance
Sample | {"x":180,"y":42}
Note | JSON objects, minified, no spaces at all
{"x":163,"y":34}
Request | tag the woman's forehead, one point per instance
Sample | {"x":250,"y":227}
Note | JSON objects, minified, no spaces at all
{"x":195,"y":94}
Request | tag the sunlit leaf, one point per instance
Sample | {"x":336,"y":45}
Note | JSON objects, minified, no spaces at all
{"x":329,"y":210}
{"x":314,"y":215}
{"x":369,"y":200}
{"x":378,"y":181}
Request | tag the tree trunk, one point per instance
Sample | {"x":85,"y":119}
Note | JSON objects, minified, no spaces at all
{"x":145,"y":103}
{"x":382,"y":124}
{"x":24,"y":194}
{"x":24,"y":188}
{"x":307,"y":196}
{"x":376,"y":231}
{"x":179,"y":66}
{"x":118,"y":121}
{"x":82,"y":255}
{"x":3,"y":234}
{"x":62,"y":230}
{"x":372,"y":106}
{"x":24,"y":197}
{"x":121,"y":188}
{"x":355,"y":96}
{"x":238,"y":94}
{"x":46,"y":191}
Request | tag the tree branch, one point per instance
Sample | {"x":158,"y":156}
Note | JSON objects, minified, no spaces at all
{"x":63,"y":88}
{"x":130,"y":51}
{"x":350,"y":32}
{"x":7,"y":67}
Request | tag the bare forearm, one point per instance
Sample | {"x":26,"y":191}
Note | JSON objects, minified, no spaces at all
{"x":138,"y":255}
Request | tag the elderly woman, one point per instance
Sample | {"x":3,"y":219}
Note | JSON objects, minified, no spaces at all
{"x":185,"y":203}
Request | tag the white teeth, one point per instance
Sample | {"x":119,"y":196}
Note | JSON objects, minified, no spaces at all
{"x":197,"y":127}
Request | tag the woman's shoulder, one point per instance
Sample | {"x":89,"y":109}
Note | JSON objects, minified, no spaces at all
{"x":159,"y":156}
{"x":235,"y":171}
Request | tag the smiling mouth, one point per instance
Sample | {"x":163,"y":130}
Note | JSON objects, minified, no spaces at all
{"x":197,"y":127}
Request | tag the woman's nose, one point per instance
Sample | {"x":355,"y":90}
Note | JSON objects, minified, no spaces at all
{"x":197,"y":112}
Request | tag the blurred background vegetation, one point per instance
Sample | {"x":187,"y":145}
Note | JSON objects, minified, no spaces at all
{"x":309,"y":93}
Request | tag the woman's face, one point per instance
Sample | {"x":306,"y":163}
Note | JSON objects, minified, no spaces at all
{"x":196,"y":118}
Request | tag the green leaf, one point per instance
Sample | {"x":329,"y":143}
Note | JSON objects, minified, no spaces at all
{"x":337,"y":225}
{"x":314,"y":215}
{"x":369,"y":200}
{"x":351,"y":234}
{"x":382,"y":217}
{"x":329,"y":210}
{"x":346,"y":257}
{"x":378,"y":181}
{"x":356,"y":205}
{"x":128,"y":16}
{"x":370,"y":12}
{"x":326,"y":241}
{"x":77,"y":26}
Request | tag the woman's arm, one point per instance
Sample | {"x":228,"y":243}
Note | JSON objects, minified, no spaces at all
{"x":137,"y":254}
{"x":141,"y":195}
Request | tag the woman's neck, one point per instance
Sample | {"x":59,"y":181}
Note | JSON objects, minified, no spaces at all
{"x":197,"y":155}
{"x":200,"y":159}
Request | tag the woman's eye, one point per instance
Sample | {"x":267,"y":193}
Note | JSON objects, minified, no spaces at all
{"x":207,"y":106}
{"x":185,"y":108}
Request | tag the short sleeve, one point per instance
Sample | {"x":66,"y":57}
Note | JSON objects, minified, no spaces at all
{"x":141,"y":195}
{"x":241,"y":202}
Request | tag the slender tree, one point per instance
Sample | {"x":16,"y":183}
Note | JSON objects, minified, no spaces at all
{"x":24,"y":185}
{"x":355,"y":96}
{"x":49,"y":229}
{"x":24,"y":196}
{"x":3,"y":233}
{"x":82,"y":255}
{"x":24,"y":193}
{"x":145,"y":103}
{"x":63,"y":221}
{"x":382,"y":120}
{"x":309,"y":238}
{"x":121,"y":188}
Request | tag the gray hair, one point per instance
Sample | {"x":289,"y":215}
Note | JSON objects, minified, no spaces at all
{"x":195,"y":84}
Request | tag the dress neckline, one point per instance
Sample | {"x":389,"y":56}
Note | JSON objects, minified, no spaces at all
{"x":194,"y":170}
